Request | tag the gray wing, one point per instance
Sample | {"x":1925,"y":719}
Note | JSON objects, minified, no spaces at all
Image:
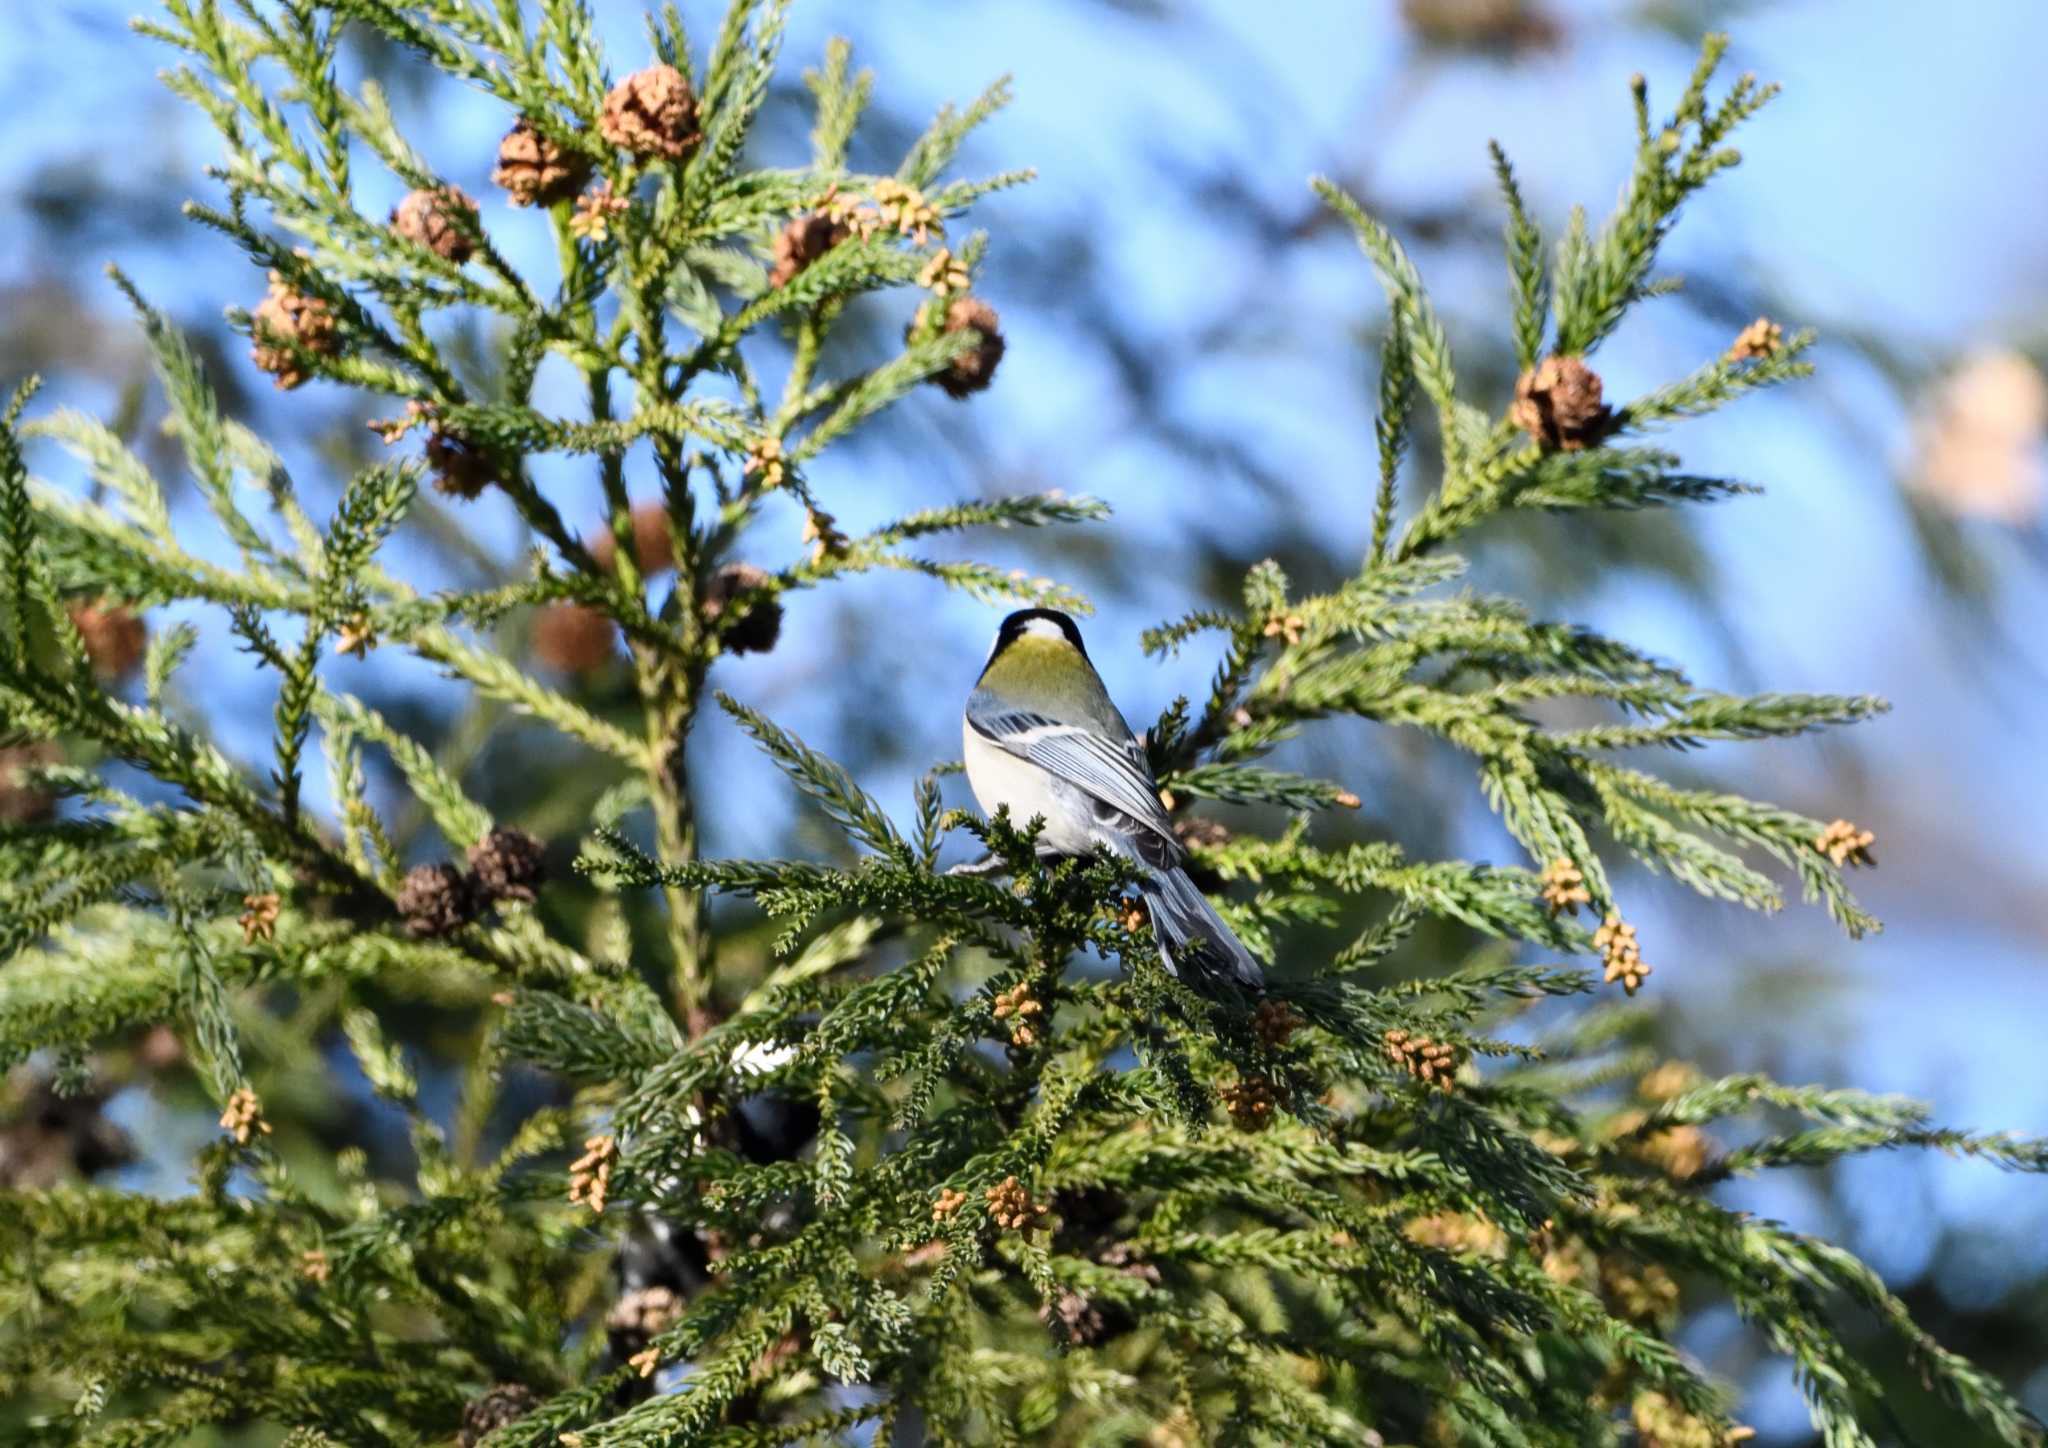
{"x":1111,"y":772}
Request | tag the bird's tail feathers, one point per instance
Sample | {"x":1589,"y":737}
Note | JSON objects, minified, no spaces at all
{"x":1191,"y":934}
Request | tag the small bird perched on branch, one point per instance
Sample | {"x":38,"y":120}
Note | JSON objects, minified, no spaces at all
{"x":1043,"y":737}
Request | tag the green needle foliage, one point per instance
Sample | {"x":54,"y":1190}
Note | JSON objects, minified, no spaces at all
{"x":889,"y":1154}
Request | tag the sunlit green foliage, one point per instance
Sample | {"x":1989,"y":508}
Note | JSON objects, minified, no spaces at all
{"x":1024,"y":1185}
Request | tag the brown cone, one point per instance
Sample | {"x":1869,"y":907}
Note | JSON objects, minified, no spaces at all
{"x":653,"y":551}
{"x":461,"y":469}
{"x":507,"y":865}
{"x":1083,"y":1320}
{"x":753,"y":630}
{"x":1205,"y":833}
{"x":974,"y":369}
{"x":652,"y":112}
{"x":436,"y":899}
{"x":493,"y":1409}
{"x":115,"y":637}
{"x":159,"y":1049}
{"x":51,"y":1138}
{"x":802,"y":242}
{"x":535,"y":170}
{"x":1557,"y":402}
{"x":573,"y":638}
{"x":638,"y":1317}
{"x":430,"y":219}
{"x":22,"y":803}
{"x":645,"y":1311}
{"x":286,"y":319}
{"x":1493,"y":25}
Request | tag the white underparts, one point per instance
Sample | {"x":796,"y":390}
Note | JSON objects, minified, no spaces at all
{"x":1000,"y":778}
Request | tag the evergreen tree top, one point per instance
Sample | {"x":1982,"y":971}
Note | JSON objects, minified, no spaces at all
{"x":878,"y":1152}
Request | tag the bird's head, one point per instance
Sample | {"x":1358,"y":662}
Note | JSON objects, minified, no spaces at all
{"x":1036,"y":639}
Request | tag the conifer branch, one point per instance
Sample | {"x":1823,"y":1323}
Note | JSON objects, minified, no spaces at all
{"x":966,"y":1144}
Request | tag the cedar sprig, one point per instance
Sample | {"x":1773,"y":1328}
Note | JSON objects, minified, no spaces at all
{"x":784,"y":1119}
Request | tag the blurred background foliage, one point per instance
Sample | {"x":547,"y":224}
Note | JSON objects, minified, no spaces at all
{"x":1189,"y":339}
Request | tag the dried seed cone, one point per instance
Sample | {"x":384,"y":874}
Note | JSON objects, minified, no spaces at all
{"x":1083,"y":1320}
{"x":287,"y":320}
{"x":573,"y":638}
{"x":1275,"y":1023}
{"x":461,"y":469}
{"x":637,"y":1318}
{"x":974,"y":369}
{"x":436,"y":899}
{"x":1495,"y":25}
{"x":115,"y":637}
{"x":159,"y":1049}
{"x":50,"y":1138}
{"x":749,"y":627}
{"x":435,"y":220}
{"x":492,"y":1409}
{"x":1127,"y":1258}
{"x":1201,"y":833}
{"x":802,"y":242}
{"x":535,"y":170}
{"x":1557,"y":402}
{"x":652,"y":112}
{"x":1977,"y":441}
{"x":653,"y":550}
{"x":507,"y":864}
{"x":1196,"y":834}
{"x":645,"y":1311}
{"x":22,"y":803}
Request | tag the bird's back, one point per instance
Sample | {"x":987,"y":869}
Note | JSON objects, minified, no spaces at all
{"x":1043,"y":676}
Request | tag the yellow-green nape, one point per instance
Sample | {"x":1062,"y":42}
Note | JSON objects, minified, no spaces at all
{"x":1034,"y":658}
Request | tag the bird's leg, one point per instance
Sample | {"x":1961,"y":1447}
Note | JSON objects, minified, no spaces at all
{"x":993,"y":864}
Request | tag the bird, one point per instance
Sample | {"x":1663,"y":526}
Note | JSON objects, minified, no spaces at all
{"x":1042,"y":737}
